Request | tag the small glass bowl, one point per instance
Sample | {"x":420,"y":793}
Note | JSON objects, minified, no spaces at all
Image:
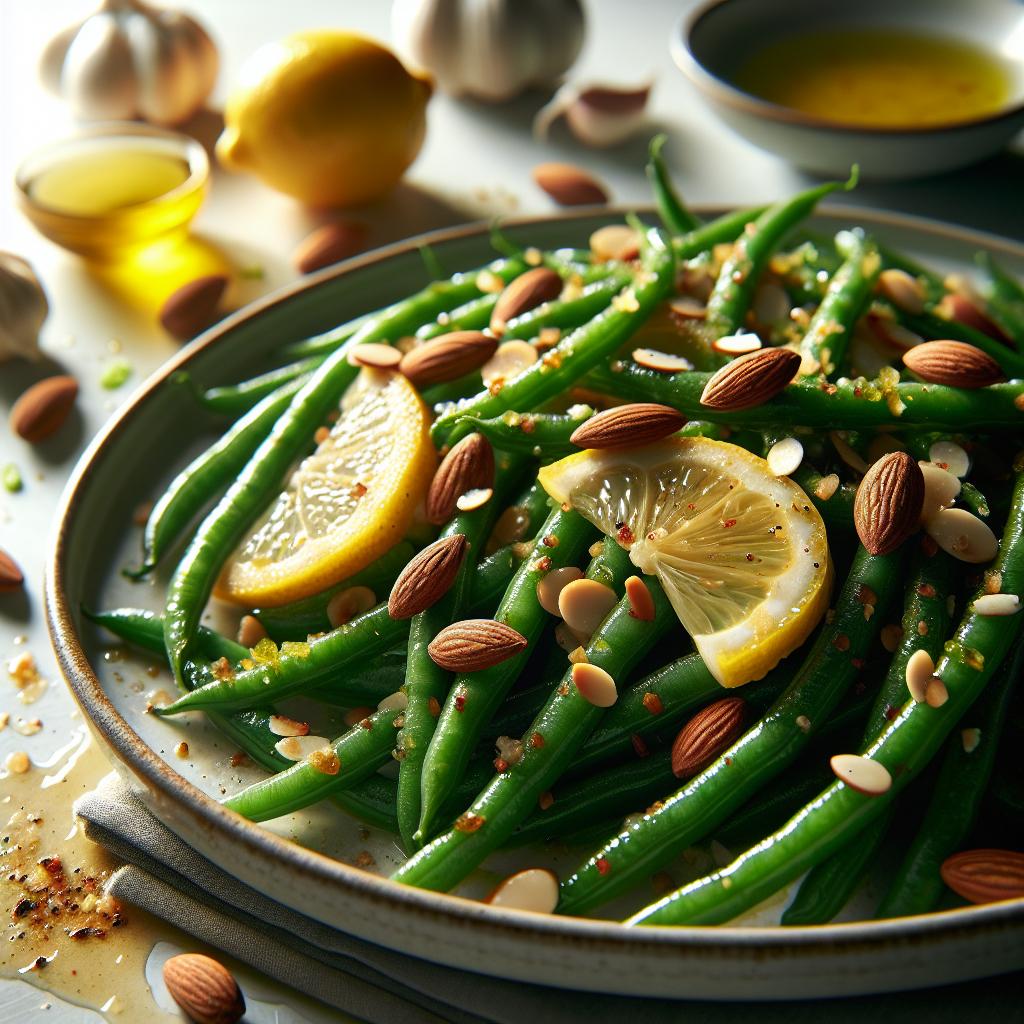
{"x":122,"y":231}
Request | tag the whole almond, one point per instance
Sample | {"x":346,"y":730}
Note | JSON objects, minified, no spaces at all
{"x":428,"y":577}
{"x":569,"y":185}
{"x":447,"y":357}
{"x":965,"y":311}
{"x":467,"y":467}
{"x":204,"y":989}
{"x":707,"y":735}
{"x":628,"y":426}
{"x":524,"y":293}
{"x":475,"y":644}
{"x":985,"y":876}
{"x":193,"y":307}
{"x":329,"y":244}
{"x":11,"y":577}
{"x":887,"y":507}
{"x":751,"y":379}
{"x":953,"y":363}
{"x":43,"y":408}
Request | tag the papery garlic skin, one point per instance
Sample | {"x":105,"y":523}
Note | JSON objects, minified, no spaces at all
{"x":598,"y":115}
{"x":128,"y":60}
{"x":23,"y":308}
{"x":492,"y":50}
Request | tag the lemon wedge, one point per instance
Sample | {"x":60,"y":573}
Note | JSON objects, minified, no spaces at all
{"x":741,"y":554}
{"x":344,"y":505}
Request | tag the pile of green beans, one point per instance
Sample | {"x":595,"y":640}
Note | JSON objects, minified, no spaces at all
{"x":514,"y":753}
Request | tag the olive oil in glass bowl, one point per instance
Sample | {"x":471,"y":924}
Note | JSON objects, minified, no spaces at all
{"x":115,"y":190}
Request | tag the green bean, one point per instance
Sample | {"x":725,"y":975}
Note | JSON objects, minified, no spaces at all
{"x":837,"y":508}
{"x":576,"y":353}
{"x":845,"y":405}
{"x":727,"y":307}
{"x":974,"y":500}
{"x":969,"y":660}
{"x":354,"y":756}
{"x":758,"y":756}
{"x":1005,"y":296}
{"x":145,"y":629}
{"x":308,"y":616}
{"x":474,"y":697}
{"x":555,"y":735}
{"x":917,"y":886}
{"x":673,"y":212}
{"x":825,"y":342}
{"x":426,"y":682}
{"x":236,"y":399}
{"x":828,"y":887}
{"x":545,"y":435}
{"x":720,"y":231}
{"x":324,"y":344}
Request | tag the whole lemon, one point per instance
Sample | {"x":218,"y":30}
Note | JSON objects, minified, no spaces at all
{"x":329,"y":117}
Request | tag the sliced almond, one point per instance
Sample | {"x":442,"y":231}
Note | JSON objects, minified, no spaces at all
{"x":535,"y":890}
{"x":427,"y":578}
{"x":279,"y":725}
{"x":628,"y":426}
{"x":204,"y":989}
{"x":661,"y":362}
{"x":474,"y":499}
{"x":902,"y":290}
{"x":354,"y":716}
{"x":784,"y":457}
{"x":329,"y":244}
{"x":686,"y":309}
{"x":935,"y":693}
{"x":641,"y":604}
{"x":524,"y":293}
{"x":997,"y":604}
{"x":595,"y":685}
{"x":750,"y":380}
{"x":970,"y":739}
{"x":193,"y":307}
{"x":940,"y":489}
{"x":447,"y":357}
{"x":883,"y":444}
{"x":41,"y":409}
{"x":707,"y":735}
{"x":919,"y":671}
{"x":509,"y":360}
{"x":951,"y":457}
{"x":250,"y":631}
{"x":954,"y":364}
{"x":887,"y":507}
{"x":475,"y":644}
{"x":737,"y":344}
{"x":551,"y":585}
{"x":375,"y":356}
{"x":346,"y":604}
{"x":298,"y":748}
{"x":963,"y":535}
{"x":468,"y":466}
{"x":585,"y":604}
{"x":893,"y":336}
{"x":396,"y":701}
{"x":970,"y":311}
{"x":862,"y":774}
{"x":848,"y":454}
{"x":569,"y":185}
{"x":615,"y":242}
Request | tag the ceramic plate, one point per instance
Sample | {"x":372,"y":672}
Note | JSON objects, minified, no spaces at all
{"x":305,"y":860}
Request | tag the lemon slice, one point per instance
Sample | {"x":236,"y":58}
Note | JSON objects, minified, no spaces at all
{"x":345,"y":504}
{"x":742,"y":554}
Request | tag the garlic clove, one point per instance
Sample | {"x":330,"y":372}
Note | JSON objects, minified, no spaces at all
{"x":23,"y":308}
{"x":598,"y":115}
{"x":98,"y":76}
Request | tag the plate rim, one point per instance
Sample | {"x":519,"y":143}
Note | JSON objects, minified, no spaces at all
{"x":444,"y":908}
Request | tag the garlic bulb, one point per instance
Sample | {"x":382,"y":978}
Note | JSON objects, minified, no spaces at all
{"x":490,"y":49}
{"x":23,"y":308}
{"x":127,"y":60}
{"x":598,"y":115}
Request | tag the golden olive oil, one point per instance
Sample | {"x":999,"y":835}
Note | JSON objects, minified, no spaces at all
{"x":877,"y":78}
{"x":110,"y":201}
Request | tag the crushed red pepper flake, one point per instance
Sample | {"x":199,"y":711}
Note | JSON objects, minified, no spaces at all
{"x":550,"y":541}
{"x":468,"y":822}
{"x":623,"y":534}
{"x":728,"y":523}
{"x":222,"y":669}
{"x":841,"y":642}
{"x":434,"y":706}
{"x":500,"y":765}
{"x":602,"y":865}
{"x":640,"y":747}
{"x":543,"y":564}
{"x":460,"y":702}
{"x":238,"y":758}
{"x":545,"y":800}
{"x":926,"y":590}
{"x":536,"y":741}
{"x":652,"y":702}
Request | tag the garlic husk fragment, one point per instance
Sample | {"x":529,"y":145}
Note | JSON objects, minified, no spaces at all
{"x":492,"y":50}
{"x":128,"y":60}
{"x":23,"y":308}
{"x":598,"y":115}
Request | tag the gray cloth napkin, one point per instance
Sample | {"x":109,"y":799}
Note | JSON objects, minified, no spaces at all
{"x":167,"y":878}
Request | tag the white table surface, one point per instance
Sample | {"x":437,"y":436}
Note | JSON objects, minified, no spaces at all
{"x":475,"y":163}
